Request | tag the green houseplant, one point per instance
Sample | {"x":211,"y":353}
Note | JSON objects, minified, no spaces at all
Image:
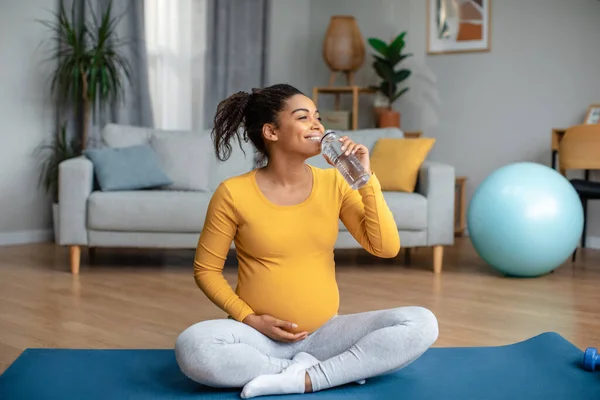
{"x":51,"y":155}
{"x":89,"y":68}
{"x":386,"y":59}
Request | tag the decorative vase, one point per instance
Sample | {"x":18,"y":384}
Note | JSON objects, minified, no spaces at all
{"x":343,"y":47}
{"x":387,"y":118}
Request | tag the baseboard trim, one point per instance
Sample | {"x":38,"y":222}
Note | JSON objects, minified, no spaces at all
{"x":26,"y":237}
{"x":593,"y":242}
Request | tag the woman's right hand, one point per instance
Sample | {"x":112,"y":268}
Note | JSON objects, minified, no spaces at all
{"x":274,"y":328}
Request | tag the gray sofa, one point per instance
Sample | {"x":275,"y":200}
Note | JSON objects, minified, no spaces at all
{"x":172,"y":217}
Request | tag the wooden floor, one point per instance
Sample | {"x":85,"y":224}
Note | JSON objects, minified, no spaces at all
{"x":144,"y":299}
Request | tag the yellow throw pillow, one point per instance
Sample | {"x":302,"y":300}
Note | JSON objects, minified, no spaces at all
{"x":397,"y":162}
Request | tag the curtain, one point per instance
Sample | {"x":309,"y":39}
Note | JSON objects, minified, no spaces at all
{"x":237,"y":50}
{"x":185,"y":57}
{"x":176,"y":47}
{"x":135,"y":107}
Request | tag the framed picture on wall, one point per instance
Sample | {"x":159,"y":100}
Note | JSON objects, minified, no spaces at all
{"x":593,"y":114}
{"x":458,"y":26}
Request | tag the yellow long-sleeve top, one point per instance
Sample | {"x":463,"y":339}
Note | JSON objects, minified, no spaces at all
{"x":285,"y":253}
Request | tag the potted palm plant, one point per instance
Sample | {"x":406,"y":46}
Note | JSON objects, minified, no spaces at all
{"x":387,"y":57}
{"x":88,"y":70}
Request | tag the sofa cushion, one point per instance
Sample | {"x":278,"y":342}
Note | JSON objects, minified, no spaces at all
{"x":238,"y":163}
{"x":409,"y":210}
{"x":148,"y":211}
{"x":127,"y":168}
{"x":397,"y":162}
{"x":186,"y":159}
{"x":116,"y":135}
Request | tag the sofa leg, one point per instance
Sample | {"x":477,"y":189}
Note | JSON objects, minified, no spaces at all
{"x":438,"y":257}
{"x":75,"y":258}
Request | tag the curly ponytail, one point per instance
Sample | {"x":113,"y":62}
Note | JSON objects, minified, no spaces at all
{"x":250,"y":111}
{"x":229,"y":117}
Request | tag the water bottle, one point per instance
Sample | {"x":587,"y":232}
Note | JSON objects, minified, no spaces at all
{"x":348,"y":165}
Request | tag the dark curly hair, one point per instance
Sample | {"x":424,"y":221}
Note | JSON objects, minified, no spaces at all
{"x":249,"y":111}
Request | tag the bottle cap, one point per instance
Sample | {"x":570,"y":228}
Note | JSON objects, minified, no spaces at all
{"x":327,"y":132}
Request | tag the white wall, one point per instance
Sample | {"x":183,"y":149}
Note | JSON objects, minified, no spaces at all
{"x":484,"y":109}
{"x":26,"y":119}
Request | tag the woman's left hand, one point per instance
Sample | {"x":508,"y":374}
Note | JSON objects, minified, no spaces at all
{"x":359,"y":150}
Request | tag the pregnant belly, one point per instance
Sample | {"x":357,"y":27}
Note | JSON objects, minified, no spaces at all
{"x":305,"y":296}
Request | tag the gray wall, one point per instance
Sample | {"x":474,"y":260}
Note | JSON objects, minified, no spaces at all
{"x":484,"y":109}
{"x":540,"y":74}
{"x":26,"y":117}
{"x":288,"y":42}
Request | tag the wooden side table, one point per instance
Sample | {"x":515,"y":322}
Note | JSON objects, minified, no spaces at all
{"x":460,"y":201}
{"x":338,"y":91}
{"x":557,"y":135}
{"x":413,"y":134}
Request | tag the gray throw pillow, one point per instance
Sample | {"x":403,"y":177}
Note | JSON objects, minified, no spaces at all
{"x":186,"y":158}
{"x":127,"y":168}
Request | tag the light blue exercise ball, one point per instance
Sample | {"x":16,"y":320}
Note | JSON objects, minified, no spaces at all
{"x":525,"y":219}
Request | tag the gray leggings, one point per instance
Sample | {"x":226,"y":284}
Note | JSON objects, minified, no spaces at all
{"x":229,"y":354}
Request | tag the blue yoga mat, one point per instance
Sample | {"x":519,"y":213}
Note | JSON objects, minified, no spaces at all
{"x":543,"y":367}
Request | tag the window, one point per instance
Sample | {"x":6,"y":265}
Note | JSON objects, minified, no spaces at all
{"x":176,"y":46}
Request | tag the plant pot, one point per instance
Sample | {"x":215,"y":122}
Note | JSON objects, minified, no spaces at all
{"x":55,"y":222}
{"x":388,"y":118}
{"x":378,"y":110}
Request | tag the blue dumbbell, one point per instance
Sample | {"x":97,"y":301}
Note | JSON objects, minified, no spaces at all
{"x":591,"y":359}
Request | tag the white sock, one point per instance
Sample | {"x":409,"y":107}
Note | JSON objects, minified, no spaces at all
{"x":307,"y":361}
{"x":290,"y":381}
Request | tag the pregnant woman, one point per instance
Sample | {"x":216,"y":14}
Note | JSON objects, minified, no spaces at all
{"x":284,"y":334}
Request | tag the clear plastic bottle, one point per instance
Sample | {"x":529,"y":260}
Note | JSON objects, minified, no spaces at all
{"x":348,"y":165}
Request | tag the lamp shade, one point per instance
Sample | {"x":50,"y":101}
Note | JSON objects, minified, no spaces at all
{"x":343,"y":47}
